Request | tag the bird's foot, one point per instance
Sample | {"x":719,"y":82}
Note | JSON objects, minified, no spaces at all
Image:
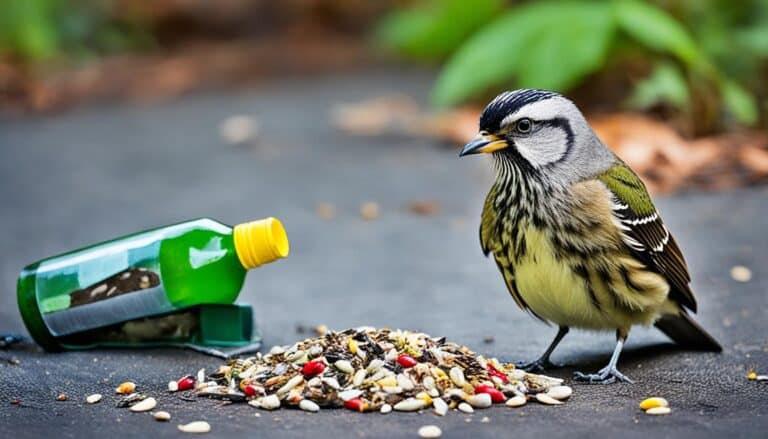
{"x":606,"y":375}
{"x":540,"y":365}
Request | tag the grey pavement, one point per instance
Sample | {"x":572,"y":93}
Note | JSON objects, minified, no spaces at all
{"x":95,"y":173}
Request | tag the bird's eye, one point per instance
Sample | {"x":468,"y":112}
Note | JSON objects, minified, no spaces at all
{"x":523,"y":126}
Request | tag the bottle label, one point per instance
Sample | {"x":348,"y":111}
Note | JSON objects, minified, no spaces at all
{"x":101,"y":288}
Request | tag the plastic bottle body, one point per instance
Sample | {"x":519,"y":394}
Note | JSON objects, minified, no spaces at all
{"x":146,"y":274}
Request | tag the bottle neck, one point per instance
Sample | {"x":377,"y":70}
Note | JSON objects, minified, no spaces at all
{"x":260,"y":242}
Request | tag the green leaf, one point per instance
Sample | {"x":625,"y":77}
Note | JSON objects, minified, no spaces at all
{"x":436,"y":28}
{"x":545,"y":45}
{"x":665,"y":85}
{"x":739,"y":102}
{"x":657,"y":30}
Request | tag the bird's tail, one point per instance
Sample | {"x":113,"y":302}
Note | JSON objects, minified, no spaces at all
{"x":683,"y":330}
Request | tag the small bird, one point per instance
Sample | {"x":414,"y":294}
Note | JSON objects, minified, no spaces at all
{"x":574,"y":232}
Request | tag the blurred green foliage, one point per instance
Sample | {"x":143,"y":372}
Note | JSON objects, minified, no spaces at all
{"x":38,"y":30}
{"x":699,"y":51}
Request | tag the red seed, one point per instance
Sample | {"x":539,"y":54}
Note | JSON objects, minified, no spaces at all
{"x":186,"y":383}
{"x":313,"y":368}
{"x":249,"y":390}
{"x":406,"y":361}
{"x":492,"y":371}
{"x":496,"y":396}
{"x":357,"y":404}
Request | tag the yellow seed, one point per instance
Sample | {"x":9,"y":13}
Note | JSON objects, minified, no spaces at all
{"x":653,"y":402}
{"x":438,"y":373}
{"x":389,"y":381}
{"x":352,"y":345}
{"x":424,"y":396}
{"x":752,"y":376}
{"x":126,"y":388}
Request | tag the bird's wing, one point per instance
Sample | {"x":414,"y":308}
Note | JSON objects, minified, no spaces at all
{"x":645,"y":234}
{"x":488,"y":223}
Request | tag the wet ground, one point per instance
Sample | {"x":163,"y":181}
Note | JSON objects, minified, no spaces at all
{"x":91,"y":174}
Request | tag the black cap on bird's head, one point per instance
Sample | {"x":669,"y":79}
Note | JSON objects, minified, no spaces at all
{"x":492,"y":120}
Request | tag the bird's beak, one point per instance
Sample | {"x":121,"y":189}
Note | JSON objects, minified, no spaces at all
{"x":483,"y":143}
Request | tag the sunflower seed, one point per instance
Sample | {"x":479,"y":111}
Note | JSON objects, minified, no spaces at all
{"x":358,"y":378}
{"x":404,"y":382}
{"x":516,"y":401}
{"x":546,"y":399}
{"x":344,"y":366}
{"x":293,"y":382}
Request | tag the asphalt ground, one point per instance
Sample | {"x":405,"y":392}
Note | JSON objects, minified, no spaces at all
{"x":91,"y":174}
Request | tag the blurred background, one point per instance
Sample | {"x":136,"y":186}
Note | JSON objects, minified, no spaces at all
{"x":677,"y":87}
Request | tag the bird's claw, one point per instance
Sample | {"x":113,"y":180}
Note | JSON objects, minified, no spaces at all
{"x":539,"y":365}
{"x":606,"y":375}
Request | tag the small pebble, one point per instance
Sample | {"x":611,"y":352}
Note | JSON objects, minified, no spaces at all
{"x":650,"y":403}
{"x":309,"y":406}
{"x":195,"y":427}
{"x":658,"y":411}
{"x":430,"y":431}
{"x":144,"y":405}
{"x":162,"y":416}
{"x":93,"y":399}
{"x":740,"y":273}
{"x":516,"y":401}
{"x":466,"y":408}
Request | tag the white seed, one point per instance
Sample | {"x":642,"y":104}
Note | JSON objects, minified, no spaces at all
{"x":295,"y":356}
{"x":361,"y":354}
{"x":315,"y":350}
{"x":239,"y":129}
{"x":391,"y":355}
{"x":761,"y":378}
{"x":195,"y":427}
{"x":162,"y":416}
{"x":485,"y":420}
{"x":98,"y":290}
{"x":740,"y":273}
{"x":404,"y":382}
{"x":516,"y":401}
{"x":344,"y":366}
{"x":428,"y":382}
{"x":144,"y":405}
{"x":350,"y":394}
{"x":480,"y":400}
{"x":393,"y":390}
{"x":201,"y":376}
{"x":441,"y":407}
{"x":374,"y":365}
{"x":410,"y":405}
{"x":517,"y":374}
{"x":173,"y":386}
{"x":430,"y":431}
{"x":466,"y":408}
{"x":332,"y":383}
{"x":434,"y":393}
{"x":358,"y":378}
{"x":309,"y":406}
{"x":457,"y":376}
{"x":386,"y":408}
{"x":93,"y":399}
{"x":277,"y":350}
{"x":658,"y":411}
{"x":560,"y":392}
{"x":270,"y":402}
{"x":546,"y":399}
{"x":293,"y":382}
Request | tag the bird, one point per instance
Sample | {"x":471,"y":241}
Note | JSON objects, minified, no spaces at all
{"x":574,"y":231}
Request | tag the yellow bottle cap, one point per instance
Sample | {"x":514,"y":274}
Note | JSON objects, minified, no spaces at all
{"x":260,"y":242}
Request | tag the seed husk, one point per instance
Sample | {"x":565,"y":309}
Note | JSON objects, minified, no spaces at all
{"x":162,"y":416}
{"x":653,"y":402}
{"x":145,"y":405}
{"x":430,"y":431}
{"x":195,"y":427}
{"x":657,"y":411}
{"x":93,"y":399}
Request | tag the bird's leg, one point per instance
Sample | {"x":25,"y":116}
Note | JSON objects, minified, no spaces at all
{"x":609,"y":373}
{"x":543,"y":362}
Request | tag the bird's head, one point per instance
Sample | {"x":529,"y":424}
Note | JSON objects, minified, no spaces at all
{"x":538,"y":130}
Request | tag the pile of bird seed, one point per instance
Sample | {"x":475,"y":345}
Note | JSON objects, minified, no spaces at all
{"x":366,"y":369}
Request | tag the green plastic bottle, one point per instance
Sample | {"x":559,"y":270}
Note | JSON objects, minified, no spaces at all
{"x":144,"y":277}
